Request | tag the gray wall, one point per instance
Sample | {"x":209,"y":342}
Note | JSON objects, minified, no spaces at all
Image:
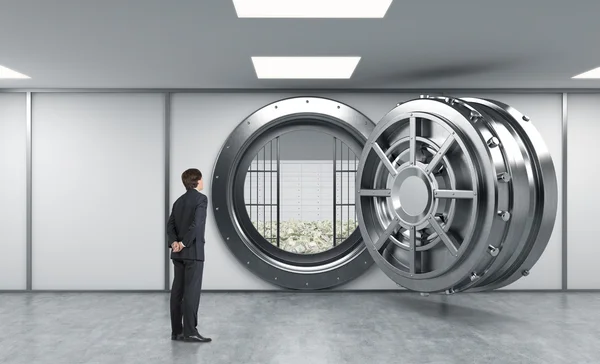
{"x":13,"y":189}
{"x":583,"y":168}
{"x":98,"y":172}
{"x":98,"y":178}
{"x":207,"y":119}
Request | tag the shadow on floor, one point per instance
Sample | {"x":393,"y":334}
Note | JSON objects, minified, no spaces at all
{"x":441,"y":307}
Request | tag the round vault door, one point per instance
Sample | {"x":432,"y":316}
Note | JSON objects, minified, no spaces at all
{"x":447,"y":195}
{"x":284,"y":193}
{"x":455,"y":194}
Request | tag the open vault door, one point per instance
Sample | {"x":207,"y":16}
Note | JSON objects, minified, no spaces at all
{"x":449,"y":194}
{"x":455,"y":194}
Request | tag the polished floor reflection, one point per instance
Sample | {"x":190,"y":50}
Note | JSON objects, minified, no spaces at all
{"x":290,"y":328}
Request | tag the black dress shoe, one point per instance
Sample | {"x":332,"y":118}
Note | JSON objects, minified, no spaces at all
{"x":197,"y":339}
{"x":178,"y":337}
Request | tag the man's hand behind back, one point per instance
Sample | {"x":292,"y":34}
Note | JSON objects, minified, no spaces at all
{"x":177,"y":247}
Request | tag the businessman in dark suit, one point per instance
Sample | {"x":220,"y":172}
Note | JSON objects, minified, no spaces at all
{"x":185,"y":231}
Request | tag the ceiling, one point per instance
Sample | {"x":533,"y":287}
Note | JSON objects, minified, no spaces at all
{"x":420,"y":44}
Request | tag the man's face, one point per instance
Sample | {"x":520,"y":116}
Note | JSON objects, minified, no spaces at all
{"x":200,"y":185}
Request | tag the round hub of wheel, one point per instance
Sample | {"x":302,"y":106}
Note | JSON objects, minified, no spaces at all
{"x":455,"y":195}
{"x":412,"y":195}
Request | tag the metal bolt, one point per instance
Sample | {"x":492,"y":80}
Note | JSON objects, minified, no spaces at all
{"x":338,"y":278}
{"x":475,"y":116}
{"x":228,"y":147}
{"x":504,"y":177}
{"x":307,"y":103}
{"x":228,"y":238}
{"x":525,"y":117}
{"x":276,"y":108}
{"x":525,"y":273}
{"x":474,"y":277}
{"x":248,"y":123}
{"x":493,"y":250}
{"x":247,"y":262}
{"x":217,"y":209}
{"x":424,"y":294}
{"x":450,"y":291}
{"x":275,"y":278}
{"x":505,"y":215}
{"x":217,"y":177}
{"x":307,"y":282}
{"x":339,"y":106}
{"x":493,"y":142}
{"x":421,"y":96}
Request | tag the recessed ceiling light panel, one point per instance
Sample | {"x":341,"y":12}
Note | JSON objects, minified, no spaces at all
{"x":305,"y":67}
{"x":311,"y":8}
{"x":8,"y":73}
{"x":595,"y":73}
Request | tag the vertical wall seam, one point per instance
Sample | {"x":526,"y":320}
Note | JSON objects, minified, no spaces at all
{"x":564,"y":191}
{"x":29,"y":199}
{"x":167,"y":171}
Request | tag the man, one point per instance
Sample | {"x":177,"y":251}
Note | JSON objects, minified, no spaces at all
{"x":185,"y":231}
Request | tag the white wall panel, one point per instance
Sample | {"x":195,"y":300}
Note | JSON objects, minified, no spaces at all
{"x":202,"y":122}
{"x":583,"y":176}
{"x":200,"y":125}
{"x":98,"y":187}
{"x":95,"y":142}
{"x":13,"y":190}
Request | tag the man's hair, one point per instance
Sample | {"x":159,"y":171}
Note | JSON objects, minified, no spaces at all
{"x":190,"y":178}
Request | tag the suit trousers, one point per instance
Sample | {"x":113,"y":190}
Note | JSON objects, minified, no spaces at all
{"x":185,"y":296}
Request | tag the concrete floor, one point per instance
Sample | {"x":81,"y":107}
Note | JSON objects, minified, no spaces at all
{"x":309,"y":328}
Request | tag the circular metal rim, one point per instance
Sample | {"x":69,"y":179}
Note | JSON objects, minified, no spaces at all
{"x":486,"y":188}
{"x":349,"y":121}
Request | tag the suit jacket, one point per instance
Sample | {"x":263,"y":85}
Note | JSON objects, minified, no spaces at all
{"x":187,"y":224}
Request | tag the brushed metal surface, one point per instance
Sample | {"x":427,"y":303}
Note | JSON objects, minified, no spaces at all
{"x":493,"y":201}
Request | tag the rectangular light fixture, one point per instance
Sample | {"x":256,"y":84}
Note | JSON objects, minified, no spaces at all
{"x":311,"y":8}
{"x":595,"y":73}
{"x":305,"y":67}
{"x":6,"y":72}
